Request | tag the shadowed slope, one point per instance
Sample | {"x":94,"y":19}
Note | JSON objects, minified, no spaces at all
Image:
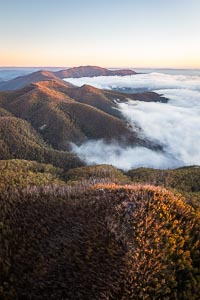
{"x":19,"y":140}
{"x":94,"y":97}
{"x":97,"y":124}
{"x":39,"y":105}
{"x":107,"y":100}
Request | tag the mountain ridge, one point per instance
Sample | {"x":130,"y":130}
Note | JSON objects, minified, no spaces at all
{"x":57,"y":111}
{"x":91,"y":71}
{"x":76,"y":72}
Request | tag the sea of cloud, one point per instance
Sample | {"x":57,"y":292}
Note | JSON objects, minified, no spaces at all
{"x":151,"y":81}
{"x":174,"y":125}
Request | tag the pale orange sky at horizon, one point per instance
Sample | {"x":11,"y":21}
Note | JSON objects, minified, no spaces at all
{"x":140,"y":34}
{"x":137,"y":63}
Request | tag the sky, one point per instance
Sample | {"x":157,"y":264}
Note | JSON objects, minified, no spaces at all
{"x":108,"y":33}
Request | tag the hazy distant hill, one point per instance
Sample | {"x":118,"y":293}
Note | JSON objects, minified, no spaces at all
{"x":89,"y":71}
{"x":22,"y":81}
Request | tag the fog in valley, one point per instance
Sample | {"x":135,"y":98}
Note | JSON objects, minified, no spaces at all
{"x":174,"y":125}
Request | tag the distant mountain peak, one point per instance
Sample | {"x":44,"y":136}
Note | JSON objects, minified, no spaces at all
{"x":91,"y":71}
{"x":76,"y":72}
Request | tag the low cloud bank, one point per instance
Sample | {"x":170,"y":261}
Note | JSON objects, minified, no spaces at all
{"x":150,"y":81}
{"x":174,"y":125}
{"x":97,"y":152}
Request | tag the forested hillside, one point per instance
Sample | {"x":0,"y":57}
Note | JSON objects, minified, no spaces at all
{"x":71,"y":231}
{"x":126,"y":242}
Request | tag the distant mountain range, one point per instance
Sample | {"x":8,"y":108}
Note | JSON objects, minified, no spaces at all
{"x":91,"y":71}
{"x":77,"y":72}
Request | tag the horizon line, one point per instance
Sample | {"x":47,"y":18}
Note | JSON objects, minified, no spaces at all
{"x":125,"y":67}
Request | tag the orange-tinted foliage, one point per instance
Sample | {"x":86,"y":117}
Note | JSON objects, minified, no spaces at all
{"x":101,"y":242}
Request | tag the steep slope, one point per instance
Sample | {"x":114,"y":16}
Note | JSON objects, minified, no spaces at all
{"x":107,"y":100}
{"x":91,"y":71}
{"x":19,"y":140}
{"x":63,"y":114}
{"x":102,"y":242}
{"x":38,"y":104}
{"x":97,"y":124}
{"x":95,"y":97}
